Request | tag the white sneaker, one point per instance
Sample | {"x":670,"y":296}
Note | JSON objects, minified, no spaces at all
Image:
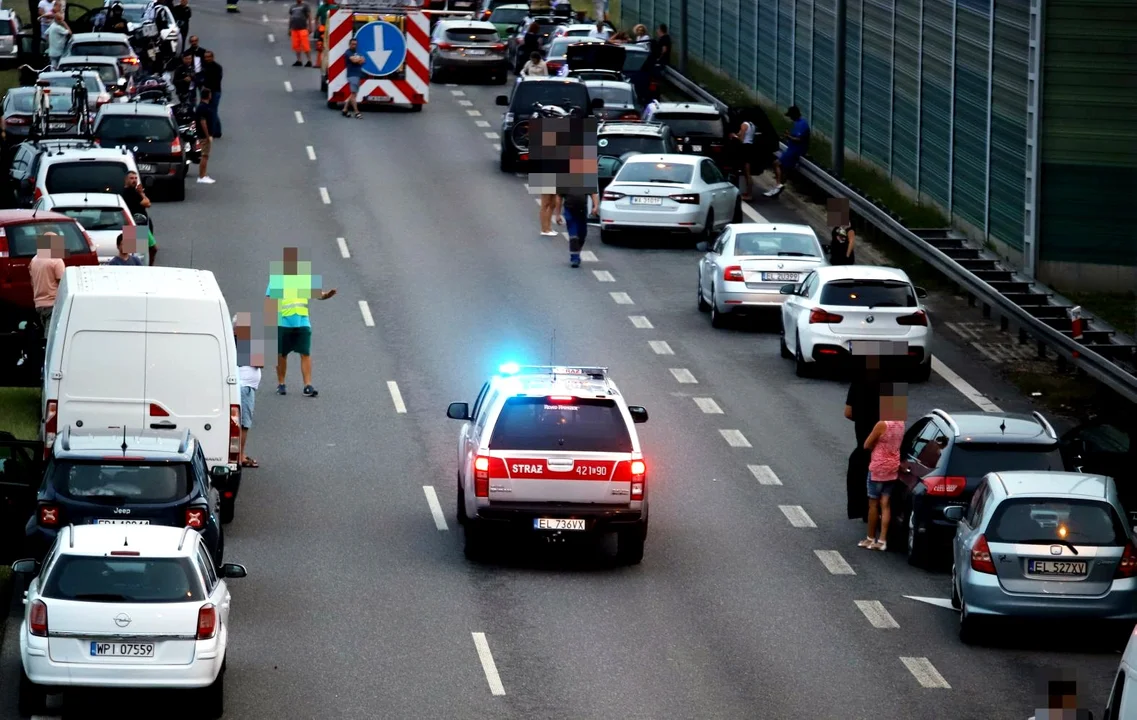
{"x":550,"y":233}
{"x":775,"y":190}
{"x":206,"y":180}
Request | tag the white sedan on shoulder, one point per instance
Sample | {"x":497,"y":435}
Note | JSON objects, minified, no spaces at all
{"x":670,"y":194}
{"x":746,"y":267}
{"x":125,"y":606}
{"x":102,"y":215}
{"x":837,"y":311}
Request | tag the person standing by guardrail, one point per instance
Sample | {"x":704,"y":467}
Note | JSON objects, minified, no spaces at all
{"x":842,"y":238}
{"x":797,"y":145}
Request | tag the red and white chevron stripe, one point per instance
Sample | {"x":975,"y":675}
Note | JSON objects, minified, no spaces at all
{"x":411,"y":89}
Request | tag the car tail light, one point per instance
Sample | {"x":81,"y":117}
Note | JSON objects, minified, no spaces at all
{"x":50,"y":427}
{"x":630,"y":116}
{"x":560,"y":398}
{"x":554,"y":67}
{"x":103,"y":99}
{"x":38,"y":194}
{"x":733,"y":274}
{"x":157,"y":410}
{"x":686,"y":199}
{"x":481,"y":476}
{"x":234,"y":433}
{"x":944,"y":486}
{"x":49,"y":515}
{"x":498,"y":47}
{"x":981,"y":557}
{"x":129,"y":61}
{"x":37,"y":619}
{"x":609,"y":195}
{"x":206,"y":622}
{"x":17,"y":120}
{"x":176,"y":147}
{"x":1127,"y":568}
{"x":820,"y":315}
{"x":639,"y":472}
{"x":917,"y":318}
{"x":195,"y":518}
{"x":445,"y":46}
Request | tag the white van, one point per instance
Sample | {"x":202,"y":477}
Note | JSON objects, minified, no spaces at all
{"x":146,"y":348}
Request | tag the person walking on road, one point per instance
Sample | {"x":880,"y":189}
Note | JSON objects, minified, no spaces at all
{"x":884,"y":467}
{"x":300,"y":26}
{"x":575,"y":205}
{"x":249,"y":366}
{"x":46,"y":270}
{"x":211,"y":75}
{"x":205,"y":121}
{"x":862,"y":406}
{"x":182,"y":15}
{"x":530,"y":43}
{"x":797,"y":145}
{"x":354,"y":60}
{"x":536,"y":67}
{"x":289,"y":290}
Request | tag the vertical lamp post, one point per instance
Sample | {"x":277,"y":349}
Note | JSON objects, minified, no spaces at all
{"x":839,"y":90}
{"x":682,"y":37}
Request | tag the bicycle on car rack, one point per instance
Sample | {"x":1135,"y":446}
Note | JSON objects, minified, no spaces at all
{"x":80,"y":105}
{"x":519,"y":135}
{"x":41,"y":103}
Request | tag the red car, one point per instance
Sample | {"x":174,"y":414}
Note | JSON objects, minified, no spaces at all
{"x":18,"y":232}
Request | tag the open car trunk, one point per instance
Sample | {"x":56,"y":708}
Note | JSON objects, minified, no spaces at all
{"x":595,"y":56}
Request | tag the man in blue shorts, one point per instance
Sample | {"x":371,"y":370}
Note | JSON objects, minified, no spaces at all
{"x":797,"y":145}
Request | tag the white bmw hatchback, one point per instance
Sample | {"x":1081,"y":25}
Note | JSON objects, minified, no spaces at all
{"x":126,"y":606}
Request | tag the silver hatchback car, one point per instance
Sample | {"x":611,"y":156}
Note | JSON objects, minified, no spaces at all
{"x":1046,"y":545}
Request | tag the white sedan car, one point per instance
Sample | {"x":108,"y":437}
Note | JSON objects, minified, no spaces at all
{"x":102,"y":215}
{"x":838,"y":311}
{"x":746,"y":267}
{"x":669,"y":194}
{"x":125,"y":606}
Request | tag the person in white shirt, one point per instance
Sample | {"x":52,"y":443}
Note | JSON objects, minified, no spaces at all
{"x":46,"y":13}
{"x":599,"y":32}
{"x":249,"y":368}
{"x":535,"y":66}
{"x":650,"y":109}
{"x":745,"y":136}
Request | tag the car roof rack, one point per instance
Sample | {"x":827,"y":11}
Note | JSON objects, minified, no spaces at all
{"x":943,"y":415}
{"x":1045,"y":424}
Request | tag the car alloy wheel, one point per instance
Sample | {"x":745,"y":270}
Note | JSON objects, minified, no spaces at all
{"x":718,"y":319}
{"x":801,"y":366}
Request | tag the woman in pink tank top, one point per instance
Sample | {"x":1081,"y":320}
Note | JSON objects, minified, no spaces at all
{"x":884,"y":467}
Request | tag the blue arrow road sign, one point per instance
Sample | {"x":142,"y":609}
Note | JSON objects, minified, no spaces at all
{"x":382,"y":46}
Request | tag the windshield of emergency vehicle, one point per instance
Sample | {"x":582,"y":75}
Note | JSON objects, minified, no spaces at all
{"x":570,"y":425}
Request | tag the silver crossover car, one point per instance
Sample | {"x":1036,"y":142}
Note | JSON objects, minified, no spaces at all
{"x":1046,"y":545}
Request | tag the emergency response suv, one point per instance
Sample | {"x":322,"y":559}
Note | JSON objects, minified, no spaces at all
{"x":553,"y":451}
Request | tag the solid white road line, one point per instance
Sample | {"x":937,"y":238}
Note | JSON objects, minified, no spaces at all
{"x":925,"y":673}
{"x":490,"y":134}
{"x":603,"y":276}
{"x":488,"y":665}
{"x":311,"y":152}
{"x":325,"y":196}
{"x":834,"y":563}
{"x":876,"y":614}
{"x":482,"y":123}
{"x":466,"y":103}
{"x":585,"y":255}
{"x":660,"y":347}
{"x":474,"y":113}
{"x":640,"y":321}
{"x":497,"y":147}
{"x":964,"y":387}
{"x":365,"y":311}
{"x":708,"y":406}
{"x":735,"y":438}
{"x":271,"y":37}
{"x":279,"y":60}
{"x":342,"y":242}
{"x":753,"y":214}
{"x":435,"y":508}
{"x":797,"y":516}
{"x":299,"y":117}
{"x":764,"y":475}
{"x":287,"y":86}
{"x":457,"y":93}
{"x":621,"y":298}
{"x":684,"y":376}
{"x":396,"y":396}
{"x":944,"y":603}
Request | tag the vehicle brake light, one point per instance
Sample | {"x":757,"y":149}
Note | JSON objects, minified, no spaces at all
{"x":38,"y":194}
{"x":639,"y":471}
{"x":630,"y":116}
{"x":37,"y":619}
{"x":1127,"y":568}
{"x":609,"y":195}
{"x":234,"y":433}
{"x":176,"y":147}
{"x":733,"y":274}
{"x":195,"y":518}
{"x":157,"y":410}
{"x":206,"y":622}
{"x":17,"y":120}
{"x":981,"y":557}
{"x":498,"y":47}
{"x":481,"y":476}
{"x":125,"y":553}
{"x":445,"y":46}
{"x":103,"y":99}
{"x":50,"y":427}
{"x":560,"y":398}
{"x":944,"y":486}
{"x":820,"y":315}
{"x":49,"y":515}
{"x":129,"y":61}
{"x":686,"y":199}
{"x":917,"y":318}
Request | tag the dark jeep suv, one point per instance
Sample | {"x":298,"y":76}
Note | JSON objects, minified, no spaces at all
{"x":528,"y":93}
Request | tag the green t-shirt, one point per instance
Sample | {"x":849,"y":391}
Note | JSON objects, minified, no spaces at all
{"x":322,"y":12}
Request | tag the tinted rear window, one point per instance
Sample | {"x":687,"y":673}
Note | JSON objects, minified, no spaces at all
{"x":67,"y":83}
{"x":634,"y":60}
{"x":107,"y":73}
{"x":133,"y":128}
{"x":591,"y":425}
{"x":549,"y":93}
{"x":978,"y":459}
{"x":688,"y":125}
{"x":22,"y":237}
{"x":868,"y":293}
{"x":511,"y":16}
{"x":1044,"y":521}
{"x":472,"y":35}
{"x":612,"y":94}
{"x":95,"y":177}
{"x":95,"y":218}
{"x":24,"y":102}
{"x":112,"y":484}
{"x":616,"y":145}
{"x":784,"y":244}
{"x":648,"y":172}
{"x":123,"y":579}
{"x":102,"y":49}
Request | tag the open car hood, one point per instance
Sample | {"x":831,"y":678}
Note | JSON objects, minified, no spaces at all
{"x":595,"y":56}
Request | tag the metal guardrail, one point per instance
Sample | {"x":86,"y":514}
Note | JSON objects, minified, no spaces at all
{"x":1113,"y":375}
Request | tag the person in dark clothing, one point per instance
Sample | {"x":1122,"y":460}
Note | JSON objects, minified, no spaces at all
{"x":198,"y":53}
{"x":135,"y":197}
{"x":841,"y":246}
{"x":205,"y":117}
{"x":663,"y":47}
{"x":575,"y":208}
{"x":862,"y":406}
{"x":184,"y":78}
{"x":182,"y":15}
{"x":530,"y":43}
{"x":211,"y":73}
{"x":115,"y":22}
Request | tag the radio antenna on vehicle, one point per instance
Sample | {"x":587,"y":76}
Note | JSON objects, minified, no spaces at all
{"x":124,"y":439}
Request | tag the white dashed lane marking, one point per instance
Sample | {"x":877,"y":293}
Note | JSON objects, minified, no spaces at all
{"x":764,"y":475}
{"x":365,"y":311}
{"x":325,"y":197}
{"x":311,"y":152}
{"x":342,"y":242}
{"x":684,"y":376}
{"x":925,"y":672}
{"x":264,"y":18}
{"x":287,"y":86}
{"x":708,"y":406}
{"x":621,"y":298}
{"x":496,"y":147}
{"x":490,"y":134}
{"x":435,"y":508}
{"x":279,"y":60}
{"x":797,"y":516}
{"x":603,"y":276}
{"x":735,"y":438}
{"x":488,"y":665}
{"x":457,"y":93}
{"x":877,"y":615}
{"x":396,"y":396}
{"x":482,"y":123}
{"x":474,"y":113}
{"x":834,"y":563}
{"x":466,"y":103}
{"x":586,"y":255}
{"x":299,"y":117}
{"x":271,"y":37}
{"x":660,"y":347}
{"x":639,"y":321}
{"x":753,"y":214}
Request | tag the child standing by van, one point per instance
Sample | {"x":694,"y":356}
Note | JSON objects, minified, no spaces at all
{"x":249,"y":368}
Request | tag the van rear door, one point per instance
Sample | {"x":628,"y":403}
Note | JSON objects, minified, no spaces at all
{"x":101,"y":383}
{"x":186,"y":388}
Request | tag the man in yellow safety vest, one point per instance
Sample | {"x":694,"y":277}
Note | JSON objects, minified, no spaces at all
{"x":291,"y":284}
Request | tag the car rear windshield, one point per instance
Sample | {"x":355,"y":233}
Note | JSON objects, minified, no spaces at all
{"x":617,"y":145}
{"x":22,"y":237}
{"x":112,"y":484}
{"x":93,"y":177}
{"x":565,"y":94}
{"x":978,"y":459}
{"x":783,"y":244}
{"x":613,"y":94}
{"x":102,"y":49}
{"x":1046,"y":521}
{"x":24,"y":103}
{"x":91,"y":81}
{"x":656,"y":172}
{"x":582,"y":425}
{"x":123,"y":579}
{"x":472,"y":35}
{"x":107,"y":73}
{"x":691,"y":125}
{"x":134,"y":13}
{"x":91,"y":218}
{"x":130,"y":128}
{"x":508,"y":16}
{"x":868,"y":293}
{"x":558,"y":49}
{"x":635,"y":58}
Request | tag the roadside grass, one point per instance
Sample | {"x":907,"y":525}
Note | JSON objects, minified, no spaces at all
{"x":19,"y":412}
{"x":1117,"y":309}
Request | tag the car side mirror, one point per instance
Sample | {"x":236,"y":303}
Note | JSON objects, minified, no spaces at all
{"x":25,"y":567}
{"x":703,"y":246}
{"x":121,"y":82}
{"x":140,"y":219}
{"x":233,"y":571}
{"x":502,"y":101}
{"x":597,"y":103}
{"x":23,"y":325}
{"x":638,"y":413}
{"x":953,"y":513}
{"x":921,"y":293}
{"x":219,"y":472}
{"x":790,"y":289}
{"x":458,"y":411}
